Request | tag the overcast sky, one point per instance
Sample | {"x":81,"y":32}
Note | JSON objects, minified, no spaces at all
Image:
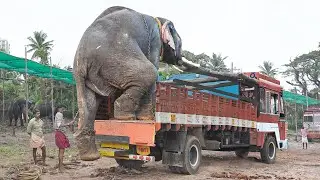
{"x":248,"y":31}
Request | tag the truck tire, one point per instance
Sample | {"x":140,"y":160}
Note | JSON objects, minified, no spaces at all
{"x":192,"y":157}
{"x":130,"y":164}
{"x":269,"y":151}
{"x":242,"y":153}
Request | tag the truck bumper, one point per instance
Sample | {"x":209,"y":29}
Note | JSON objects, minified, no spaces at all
{"x":121,"y":154}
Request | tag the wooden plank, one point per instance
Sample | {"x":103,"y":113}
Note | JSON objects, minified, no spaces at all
{"x":234,"y":77}
{"x":218,"y":85}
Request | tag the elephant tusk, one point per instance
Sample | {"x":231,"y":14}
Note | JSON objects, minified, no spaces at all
{"x":184,"y":60}
{"x":177,"y":68}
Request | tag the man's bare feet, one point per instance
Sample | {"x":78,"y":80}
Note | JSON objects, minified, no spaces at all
{"x":45,"y":164}
{"x":61,"y":169}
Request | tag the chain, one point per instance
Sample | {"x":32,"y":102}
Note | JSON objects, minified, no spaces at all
{"x":146,"y":25}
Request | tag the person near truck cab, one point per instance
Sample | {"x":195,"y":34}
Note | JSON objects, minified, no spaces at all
{"x":304,"y":134}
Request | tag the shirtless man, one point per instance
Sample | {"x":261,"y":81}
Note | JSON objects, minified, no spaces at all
{"x":35,"y":131}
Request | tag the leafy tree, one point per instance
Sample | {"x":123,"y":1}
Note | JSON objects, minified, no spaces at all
{"x":215,"y":62}
{"x":268,"y":69}
{"x":40,"y":47}
{"x":304,"y":71}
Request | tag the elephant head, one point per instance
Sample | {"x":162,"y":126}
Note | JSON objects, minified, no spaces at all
{"x":171,"y":42}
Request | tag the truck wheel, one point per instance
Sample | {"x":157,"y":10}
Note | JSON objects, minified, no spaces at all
{"x":269,"y":151}
{"x":192,"y":155}
{"x":242,"y":153}
{"x":175,"y":169}
{"x":130,"y":164}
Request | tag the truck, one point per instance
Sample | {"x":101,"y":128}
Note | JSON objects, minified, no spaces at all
{"x":311,"y":121}
{"x":240,"y":112}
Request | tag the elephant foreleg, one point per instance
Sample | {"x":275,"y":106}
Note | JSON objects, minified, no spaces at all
{"x":147,"y":106}
{"x":21,"y":120}
{"x":88,"y":103}
{"x":16,"y":120}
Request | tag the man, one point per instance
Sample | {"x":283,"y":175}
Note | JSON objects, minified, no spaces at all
{"x":304,"y":134}
{"x":61,"y":139}
{"x":35,"y":131}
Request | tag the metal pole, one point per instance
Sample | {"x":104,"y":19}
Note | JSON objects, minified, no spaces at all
{"x":2,"y":95}
{"x":61,"y":93}
{"x":296,"y":121}
{"x":26,"y":83}
{"x":307,"y":99}
{"x":52,"y":110}
{"x":231,"y":67}
{"x":73,"y":101}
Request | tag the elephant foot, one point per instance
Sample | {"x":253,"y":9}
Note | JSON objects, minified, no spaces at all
{"x":146,"y":112}
{"x":124,"y":108}
{"x":85,"y":141}
{"x":124,"y":117}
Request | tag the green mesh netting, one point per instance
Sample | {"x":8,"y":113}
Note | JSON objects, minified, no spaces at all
{"x":12,"y":63}
{"x":299,"y":99}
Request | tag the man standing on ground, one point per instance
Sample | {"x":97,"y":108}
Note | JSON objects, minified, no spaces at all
{"x":304,"y":135}
{"x":35,"y":131}
{"x":61,"y":139}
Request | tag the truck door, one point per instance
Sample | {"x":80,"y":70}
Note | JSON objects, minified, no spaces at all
{"x":269,"y":106}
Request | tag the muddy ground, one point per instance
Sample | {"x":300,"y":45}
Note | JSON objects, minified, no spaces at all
{"x":294,"y":163}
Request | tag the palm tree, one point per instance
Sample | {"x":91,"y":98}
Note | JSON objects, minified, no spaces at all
{"x":214,"y":63}
{"x":40,"y":47}
{"x":268,"y":69}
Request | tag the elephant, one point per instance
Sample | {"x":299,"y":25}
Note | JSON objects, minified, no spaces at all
{"x":16,"y":109}
{"x":120,"y":52}
{"x":45,"y":109}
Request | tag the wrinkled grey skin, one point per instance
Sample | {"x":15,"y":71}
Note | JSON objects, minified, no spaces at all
{"x":45,"y":109}
{"x":15,"y":111}
{"x":113,"y":56}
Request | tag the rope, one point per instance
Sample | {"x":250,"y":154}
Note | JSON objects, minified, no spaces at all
{"x":33,"y":173}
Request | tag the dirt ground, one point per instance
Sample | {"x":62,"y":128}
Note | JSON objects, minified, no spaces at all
{"x":294,"y":163}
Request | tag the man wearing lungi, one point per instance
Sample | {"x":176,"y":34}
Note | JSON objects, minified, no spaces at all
{"x":61,"y":139}
{"x":35,"y":131}
{"x":304,"y":135}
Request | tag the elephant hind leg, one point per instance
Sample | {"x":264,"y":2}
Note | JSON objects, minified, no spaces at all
{"x":10,"y":121}
{"x":126,"y":106}
{"x":147,"y":106}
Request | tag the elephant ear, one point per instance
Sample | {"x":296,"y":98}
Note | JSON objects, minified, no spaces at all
{"x":171,"y":39}
{"x":167,"y":35}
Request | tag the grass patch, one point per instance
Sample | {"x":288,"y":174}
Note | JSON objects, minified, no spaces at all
{"x":12,"y":151}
